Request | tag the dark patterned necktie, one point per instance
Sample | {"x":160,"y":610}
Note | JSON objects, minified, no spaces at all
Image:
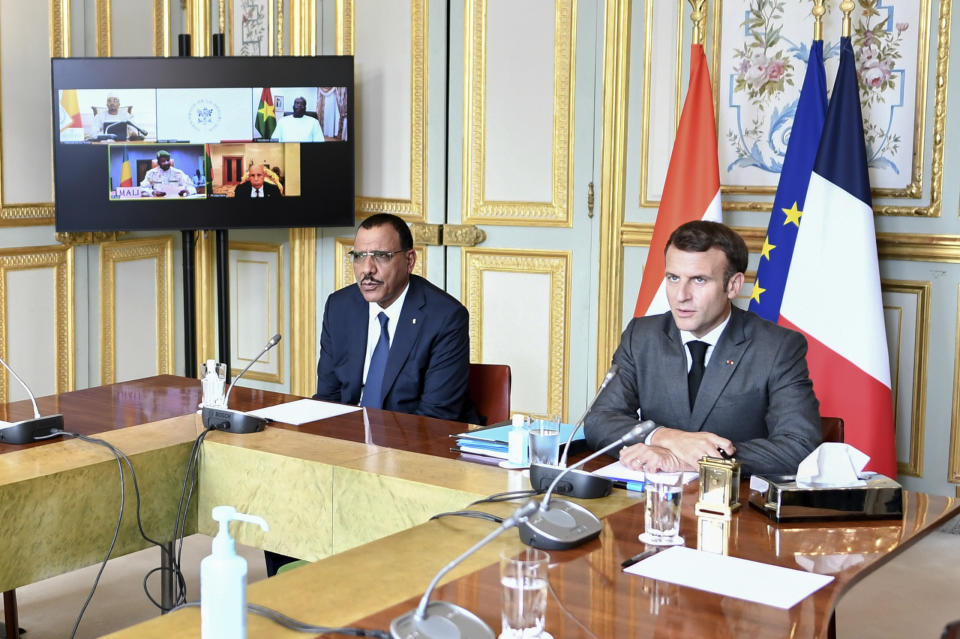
{"x":373,"y":387}
{"x":698,"y":353}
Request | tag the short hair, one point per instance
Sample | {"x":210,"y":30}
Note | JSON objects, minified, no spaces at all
{"x":379,"y":219}
{"x":701,"y":236}
{"x":162,"y":154}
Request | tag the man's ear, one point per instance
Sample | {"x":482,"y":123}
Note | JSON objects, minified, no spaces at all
{"x":411,"y":256}
{"x":734,"y":285}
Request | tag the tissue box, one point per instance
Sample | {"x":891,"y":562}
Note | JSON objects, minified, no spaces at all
{"x":781,"y":499}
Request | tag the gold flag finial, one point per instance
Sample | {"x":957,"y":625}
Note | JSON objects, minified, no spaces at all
{"x":699,"y":17}
{"x":818,"y":11}
{"x":847,"y":7}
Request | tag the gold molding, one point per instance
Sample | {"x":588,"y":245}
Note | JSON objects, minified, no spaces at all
{"x":412,"y":209}
{"x":616,"y":91}
{"x":155,"y":248}
{"x":104,"y":35}
{"x":303,"y":311}
{"x":276,"y":250}
{"x":205,"y":259}
{"x":198,"y":26}
{"x":475,"y":261}
{"x":343,"y":268}
{"x":161,"y":28}
{"x":476,"y":208}
{"x":88,"y":237}
{"x":913,"y":247}
{"x":921,"y":341}
{"x":303,"y":27}
{"x":60,"y":259}
{"x":60,"y":46}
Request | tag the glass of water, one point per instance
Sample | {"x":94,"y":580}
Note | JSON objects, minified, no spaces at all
{"x":661,"y":517}
{"x":545,"y":442}
{"x":523,"y":593}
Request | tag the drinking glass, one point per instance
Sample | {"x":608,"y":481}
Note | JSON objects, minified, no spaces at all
{"x":523,"y":593}
{"x":545,"y":442}
{"x":661,"y":517}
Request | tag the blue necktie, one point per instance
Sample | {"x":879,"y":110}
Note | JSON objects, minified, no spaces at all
{"x":373,"y":388}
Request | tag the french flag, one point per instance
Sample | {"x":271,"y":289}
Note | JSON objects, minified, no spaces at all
{"x":832,"y":293}
{"x":691,"y":190}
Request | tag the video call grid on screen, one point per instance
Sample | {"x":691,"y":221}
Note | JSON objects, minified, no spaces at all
{"x":198,"y":113}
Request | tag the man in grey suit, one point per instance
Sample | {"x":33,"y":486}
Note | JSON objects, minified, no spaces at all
{"x":750,"y":396}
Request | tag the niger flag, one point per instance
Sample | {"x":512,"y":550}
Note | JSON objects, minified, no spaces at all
{"x":126,"y":177}
{"x":692,"y":188}
{"x":266,"y":117}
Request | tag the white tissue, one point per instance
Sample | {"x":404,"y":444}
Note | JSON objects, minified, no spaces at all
{"x":833,"y":464}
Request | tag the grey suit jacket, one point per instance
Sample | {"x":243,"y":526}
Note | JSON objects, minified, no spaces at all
{"x":756,"y":390}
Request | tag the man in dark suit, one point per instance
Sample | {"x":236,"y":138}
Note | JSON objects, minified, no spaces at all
{"x":418,"y":363}
{"x":256,"y":186}
{"x":752,"y":397}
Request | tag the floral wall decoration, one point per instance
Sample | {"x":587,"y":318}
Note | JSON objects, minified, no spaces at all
{"x":764,"y":47}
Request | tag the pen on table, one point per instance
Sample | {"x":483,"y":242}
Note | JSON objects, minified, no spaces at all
{"x":639,"y":557}
{"x":636,"y":486}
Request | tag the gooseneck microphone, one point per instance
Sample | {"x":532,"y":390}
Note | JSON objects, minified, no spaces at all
{"x":579,"y":484}
{"x":444,"y":620}
{"x":567,"y":525}
{"x":234,"y":421}
{"x":29,"y":430}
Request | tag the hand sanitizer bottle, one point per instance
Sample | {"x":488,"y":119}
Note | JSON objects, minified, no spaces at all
{"x":223,"y":581}
{"x":517,"y":442}
{"x":213,"y":379}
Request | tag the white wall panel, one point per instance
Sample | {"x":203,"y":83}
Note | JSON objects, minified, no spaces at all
{"x":136,"y":341}
{"x":26,"y":160}
{"x":256,"y":314}
{"x":516,"y":331}
{"x":31,"y":331}
{"x":132,"y":31}
{"x":383,"y":81}
{"x":519,"y":105}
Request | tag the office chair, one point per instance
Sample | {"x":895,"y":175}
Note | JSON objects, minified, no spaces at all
{"x":831,"y":429}
{"x":489,"y":388}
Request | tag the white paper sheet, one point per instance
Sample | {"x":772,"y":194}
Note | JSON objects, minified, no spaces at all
{"x":616,"y":470}
{"x":731,"y":577}
{"x":302,"y":411}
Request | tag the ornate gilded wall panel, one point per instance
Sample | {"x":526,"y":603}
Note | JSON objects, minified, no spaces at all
{"x":412,"y":208}
{"x":529,"y":304}
{"x":343,"y":267}
{"x":59,"y":261}
{"x":908,"y":370}
{"x":256,"y":273}
{"x":478,"y":208}
{"x":158,"y":252}
{"x":303,"y":311}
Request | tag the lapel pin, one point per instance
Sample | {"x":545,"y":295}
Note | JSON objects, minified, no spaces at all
{"x":730,"y":362}
{"x":414,"y":320}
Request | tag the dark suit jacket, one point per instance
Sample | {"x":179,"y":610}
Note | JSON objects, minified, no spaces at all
{"x":244,"y":188}
{"x":429,"y":360}
{"x":756,"y":390}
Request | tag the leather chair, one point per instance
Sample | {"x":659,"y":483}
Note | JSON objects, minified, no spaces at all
{"x":952,"y":631}
{"x":489,"y":388}
{"x":831,"y":429}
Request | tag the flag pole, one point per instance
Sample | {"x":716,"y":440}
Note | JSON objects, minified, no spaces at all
{"x":699,"y":17}
{"x":818,"y":11}
{"x":847,"y":7}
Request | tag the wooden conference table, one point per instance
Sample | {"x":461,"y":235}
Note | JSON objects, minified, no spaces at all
{"x":354,"y":493}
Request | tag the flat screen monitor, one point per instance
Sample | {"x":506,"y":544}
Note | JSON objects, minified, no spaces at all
{"x":203,"y":143}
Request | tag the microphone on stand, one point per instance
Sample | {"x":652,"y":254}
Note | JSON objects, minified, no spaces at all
{"x":30,"y":430}
{"x":444,"y":620}
{"x":567,"y":525}
{"x":234,"y":421}
{"x":579,"y":484}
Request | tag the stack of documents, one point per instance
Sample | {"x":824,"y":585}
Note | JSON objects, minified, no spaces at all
{"x":492,"y":441}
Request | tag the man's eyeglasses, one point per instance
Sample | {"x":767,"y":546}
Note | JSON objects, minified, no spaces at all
{"x":380,"y":257}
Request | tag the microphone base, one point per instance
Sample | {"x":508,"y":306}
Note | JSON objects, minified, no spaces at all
{"x":576,"y":483}
{"x":232,"y":421}
{"x":32,"y":430}
{"x":442,"y":620}
{"x":565,"y":525}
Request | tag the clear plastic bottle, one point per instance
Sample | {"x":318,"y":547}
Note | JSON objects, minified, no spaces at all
{"x":223,"y":581}
{"x":518,"y":442}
